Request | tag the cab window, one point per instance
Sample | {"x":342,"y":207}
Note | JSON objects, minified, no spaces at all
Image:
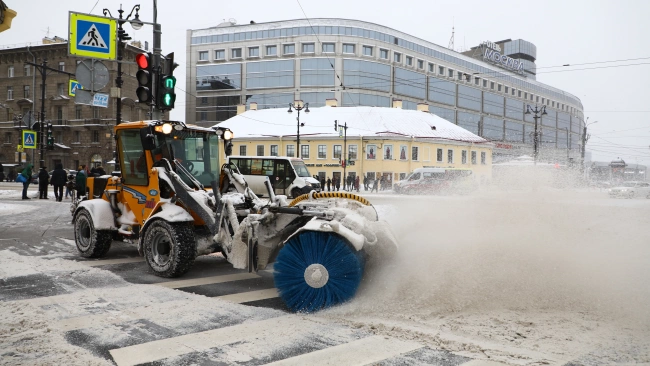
{"x":133,"y":158}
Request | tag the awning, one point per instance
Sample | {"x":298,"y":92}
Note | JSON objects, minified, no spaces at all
{"x":61,"y":146}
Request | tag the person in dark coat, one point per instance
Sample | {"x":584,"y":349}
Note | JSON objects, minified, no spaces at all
{"x":69,"y":186}
{"x":329,"y":184}
{"x":349,"y":182}
{"x":2,"y":174}
{"x":27,"y":174}
{"x":365,"y":183}
{"x":80,"y":181}
{"x":43,"y":182}
{"x":356,"y":184}
{"x":338,"y":183}
{"x":322,"y":184}
{"x":100,"y":171}
{"x":59,"y":177}
{"x":375,"y":186}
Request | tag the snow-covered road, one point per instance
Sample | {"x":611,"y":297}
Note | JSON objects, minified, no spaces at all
{"x":524,"y":278}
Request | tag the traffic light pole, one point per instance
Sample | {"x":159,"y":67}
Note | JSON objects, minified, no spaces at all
{"x":43,"y":69}
{"x":156,"y":114}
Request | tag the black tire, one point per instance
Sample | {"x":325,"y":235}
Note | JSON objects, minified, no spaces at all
{"x":296,"y":192}
{"x":169,"y":248}
{"x":90,"y":243}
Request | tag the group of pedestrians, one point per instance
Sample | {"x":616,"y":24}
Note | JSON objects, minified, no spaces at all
{"x":334,"y":184}
{"x":59,"y":179}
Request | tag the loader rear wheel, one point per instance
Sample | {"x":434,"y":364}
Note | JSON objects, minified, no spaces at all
{"x":316,"y":270}
{"x":170,"y":248}
{"x":90,"y":242}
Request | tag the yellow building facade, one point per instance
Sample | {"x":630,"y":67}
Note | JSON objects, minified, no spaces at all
{"x":388,"y":142}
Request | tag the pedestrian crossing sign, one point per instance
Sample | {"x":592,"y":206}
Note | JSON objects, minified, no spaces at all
{"x":73,"y":86}
{"x":29,"y":139}
{"x":92,"y":36}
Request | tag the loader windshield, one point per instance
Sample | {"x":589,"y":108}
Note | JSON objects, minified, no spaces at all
{"x":197,"y":152}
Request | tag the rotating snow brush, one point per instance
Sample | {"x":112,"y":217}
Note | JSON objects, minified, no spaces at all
{"x":316,"y":270}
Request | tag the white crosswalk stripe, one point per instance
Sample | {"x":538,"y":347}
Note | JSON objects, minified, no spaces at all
{"x":105,"y":262}
{"x":208,"y":280}
{"x":250,"y":296}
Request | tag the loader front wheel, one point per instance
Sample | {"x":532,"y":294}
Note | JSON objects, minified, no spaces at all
{"x":170,"y":248}
{"x":316,"y":270}
{"x":91,"y":243}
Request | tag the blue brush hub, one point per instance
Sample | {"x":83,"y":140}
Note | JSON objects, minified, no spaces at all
{"x":316,"y":270}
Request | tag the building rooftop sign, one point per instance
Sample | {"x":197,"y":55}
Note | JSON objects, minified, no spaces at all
{"x":492,"y":54}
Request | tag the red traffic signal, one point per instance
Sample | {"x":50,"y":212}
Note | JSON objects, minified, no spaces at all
{"x":142,"y":59}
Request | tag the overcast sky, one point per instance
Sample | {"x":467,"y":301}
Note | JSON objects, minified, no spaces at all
{"x":565,"y":32}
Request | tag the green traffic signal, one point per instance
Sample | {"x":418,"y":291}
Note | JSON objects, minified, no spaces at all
{"x":170,"y":82}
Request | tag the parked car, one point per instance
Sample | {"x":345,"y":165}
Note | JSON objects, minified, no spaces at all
{"x":427,"y":186}
{"x":630,"y":190}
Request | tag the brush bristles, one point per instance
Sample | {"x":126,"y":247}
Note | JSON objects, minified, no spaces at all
{"x":343,"y":263}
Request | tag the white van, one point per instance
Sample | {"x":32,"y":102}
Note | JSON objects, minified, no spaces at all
{"x":431,"y":179}
{"x":416,"y":176}
{"x":288,"y":176}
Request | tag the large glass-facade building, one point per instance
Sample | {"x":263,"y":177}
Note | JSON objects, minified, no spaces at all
{"x":365,"y":64}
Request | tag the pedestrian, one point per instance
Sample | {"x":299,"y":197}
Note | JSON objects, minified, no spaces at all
{"x":59,"y":178}
{"x":100,"y":171}
{"x":80,"y":181}
{"x":375,"y":185}
{"x":338,"y":183}
{"x":43,"y":182}
{"x":322,"y":184}
{"x":69,"y":186}
{"x":365,"y":183}
{"x":356,"y":184}
{"x":27,"y":175}
{"x":93,"y":172}
{"x":382,"y":183}
{"x":329,"y":184}
{"x":2,"y":174}
{"x":349,"y":182}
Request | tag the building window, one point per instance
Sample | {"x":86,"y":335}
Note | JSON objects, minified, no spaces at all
{"x":474,"y":157}
{"x":348,"y":48}
{"x":477,"y":81}
{"x":274,"y":150}
{"x":352,"y":152}
{"x":420,"y":64}
{"x":77,"y":112}
{"x":485,"y":83}
{"x":242,"y":150}
{"x":253,"y":52}
{"x":450,"y":73}
{"x":271,"y":50}
{"x":61,"y":66}
{"x":383,"y":54}
{"x":337,"y":151}
{"x":329,"y":47}
{"x":204,"y":116}
{"x":506,"y":90}
{"x":519,"y":93}
{"x":61,"y":88}
{"x":220,"y":54}
{"x":203,"y":55}
{"x":10,"y":71}
{"x":8,"y":138}
{"x":439,"y":155}
{"x":459,"y":75}
{"x":537,"y":98}
{"x":525,"y":95}
{"x":463,"y":157}
{"x":28,"y":70}
{"x":77,"y":137}
{"x":483,"y":157}
{"x":492,"y":85}
{"x":441,"y":70}
{"x":542,"y":100}
{"x":499,"y":87}
{"x":432,"y":68}
{"x":204,"y":100}
{"x":304,"y":151}
{"x":308,"y":48}
{"x":367,"y":50}
{"x":95,"y":137}
{"x":236,"y":53}
{"x":291,"y":151}
{"x":397,"y":57}
{"x":10,"y":93}
{"x":322,"y":151}
{"x":289,"y":49}
{"x":450,"y":156}
{"x":415,"y":153}
{"x":25,"y":91}
{"x":260,"y":150}
{"x":409,"y":61}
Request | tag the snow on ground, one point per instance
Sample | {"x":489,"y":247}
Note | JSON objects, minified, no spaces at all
{"x":530,"y":277}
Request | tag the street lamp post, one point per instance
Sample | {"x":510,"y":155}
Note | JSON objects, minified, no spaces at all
{"x":567,"y":145}
{"x":299,"y":107}
{"x":122,"y":36}
{"x":536,"y":116}
{"x":585,"y":138}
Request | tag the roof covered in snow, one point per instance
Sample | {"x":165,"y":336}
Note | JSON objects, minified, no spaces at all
{"x":361,"y":121}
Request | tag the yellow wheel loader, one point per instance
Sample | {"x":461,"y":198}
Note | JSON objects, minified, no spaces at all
{"x":176,"y":200}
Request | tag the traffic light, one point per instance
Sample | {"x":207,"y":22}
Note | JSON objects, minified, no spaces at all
{"x":166,"y":84}
{"x":50,"y":138}
{"x":144,"y":77}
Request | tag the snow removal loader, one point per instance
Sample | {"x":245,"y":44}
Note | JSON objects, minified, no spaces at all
{"x":176,"y":201}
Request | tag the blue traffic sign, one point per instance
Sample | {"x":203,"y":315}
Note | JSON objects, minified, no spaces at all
{"x":29,"y":139}
{"x":74,"y":85}
{"x":92,"y":36}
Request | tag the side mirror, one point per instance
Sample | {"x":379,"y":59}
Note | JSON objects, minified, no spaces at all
{"x":147,"y":138}
{"x":228,"y":148}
